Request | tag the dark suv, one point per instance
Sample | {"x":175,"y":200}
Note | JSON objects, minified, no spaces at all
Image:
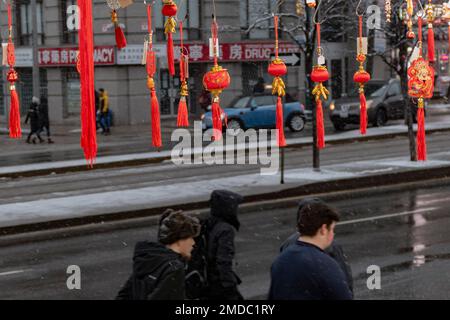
{"x":384,"y":102}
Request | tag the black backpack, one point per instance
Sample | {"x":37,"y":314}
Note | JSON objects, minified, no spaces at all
{"x":197,"y":267}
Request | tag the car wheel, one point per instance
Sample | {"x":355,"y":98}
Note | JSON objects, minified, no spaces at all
{"x":296,"y":123}
{"x":234,"y":127}
{"x":338,"y":126}
{"x":380,"y":118}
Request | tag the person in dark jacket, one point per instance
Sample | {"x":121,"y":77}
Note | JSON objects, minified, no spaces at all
{"x":260,"y":86}
{"x":44,"y":121}
{"x":222,"y":226}
{"x":334,"y":250}
{"x":159,"y":267}
{"x":303,"y":271}
{"x":33,"y":116}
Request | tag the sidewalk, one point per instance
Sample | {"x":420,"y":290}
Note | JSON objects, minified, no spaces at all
{"x":139,"y":202}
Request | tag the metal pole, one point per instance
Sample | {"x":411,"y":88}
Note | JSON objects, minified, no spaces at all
{"x":282,"y":166}
{"x":36,"y":78}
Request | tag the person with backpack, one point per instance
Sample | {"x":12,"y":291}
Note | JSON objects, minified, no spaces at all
{"x":210,"y":274}
{"x":159,"y":267}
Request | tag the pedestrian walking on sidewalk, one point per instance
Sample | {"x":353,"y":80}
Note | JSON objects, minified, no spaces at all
{"x":335,"y":251}
{"x":303,"y":271}
{"x":44,"y":121}
{"x":221,"y":226}
{"x":159,"y":267}
{"x":33,"y":116}
{"x":105,"y":112}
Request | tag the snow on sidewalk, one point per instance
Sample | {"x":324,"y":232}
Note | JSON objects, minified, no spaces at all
{"x":195,"y":191}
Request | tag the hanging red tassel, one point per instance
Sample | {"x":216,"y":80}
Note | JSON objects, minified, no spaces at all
{"x":320,"y":126}
{"x":280,"y":124}
{"x":430,"y":19}
{"x":431,"y":48}
{"x":86,"y":40}
{"x":183,"y":119}
{"x":170,"y":58}
{"x":363,"y":114}
{"x":421,"y":143}
{"x":121,"y":41}
{"x":15,"y":131}
{"x":217,"y":120}
{"x":156,"y":121}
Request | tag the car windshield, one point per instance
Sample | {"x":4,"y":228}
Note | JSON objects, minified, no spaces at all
{"x":380,"y":92}
{"x":239,"y":102}
{"x":369,"y":90}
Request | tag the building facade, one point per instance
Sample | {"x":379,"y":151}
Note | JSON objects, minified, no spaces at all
{"x":120,"y":72}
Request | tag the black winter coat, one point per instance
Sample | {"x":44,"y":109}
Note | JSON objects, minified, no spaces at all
{"x":158,"y":274}
{"x":335,"y":251}
{"x":222,"y":226}
{"x":33,"y":116}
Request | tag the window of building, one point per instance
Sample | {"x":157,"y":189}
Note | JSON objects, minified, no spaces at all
{"x":191,"y":27}
{"x":25,"y":25}
{"x":71,"y":92}
{"x":250,"y":12}
{"x":69,"y":34}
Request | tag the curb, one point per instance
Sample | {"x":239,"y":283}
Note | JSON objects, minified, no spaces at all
{"x":337,"y":185}
{"x":154,"y":160}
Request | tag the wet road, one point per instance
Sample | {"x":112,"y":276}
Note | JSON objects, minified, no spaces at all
{"x":136,"y":142}
{"x":404,"y":232}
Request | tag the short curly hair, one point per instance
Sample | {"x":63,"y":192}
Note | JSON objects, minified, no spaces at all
{"x":176,"y":225}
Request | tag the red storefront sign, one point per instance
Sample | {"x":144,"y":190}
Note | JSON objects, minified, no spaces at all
{"x":55,"y":57}
{"x":236,"y":52}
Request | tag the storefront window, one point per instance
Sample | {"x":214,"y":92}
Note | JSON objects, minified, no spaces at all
{"x":71,"y":91}
{"x":25,"y":22}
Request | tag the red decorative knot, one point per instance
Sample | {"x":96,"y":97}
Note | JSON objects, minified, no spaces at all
{"x":12,"y":76}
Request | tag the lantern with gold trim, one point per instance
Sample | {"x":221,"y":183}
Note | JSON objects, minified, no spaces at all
{"x":277,"y":69}
{"x":183,"y":114}
{"x":169,"y":10}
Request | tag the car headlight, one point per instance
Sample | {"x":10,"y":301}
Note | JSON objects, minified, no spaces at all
{"x":332,"y":106}
{"x":369,"y":103}
{"x":202,"y":117}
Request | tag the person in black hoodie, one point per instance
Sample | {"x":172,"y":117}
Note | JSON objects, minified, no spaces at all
{"x":159,"y":267}
{"x":335,"y":251}
{"x":222,"y":225}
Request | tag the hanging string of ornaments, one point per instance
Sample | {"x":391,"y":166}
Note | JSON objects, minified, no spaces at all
{"x":277,"y":69}
{"x":361,"y":76}
{"x":420,"y":86}
{"x":15,"y":131}
{"x":183,"y":115}
{"x":150,"y":61}
{"x":319,"y":75}
{"x":114,"y":5}
{"x":215,"y":81}
{"x":169,"y":10}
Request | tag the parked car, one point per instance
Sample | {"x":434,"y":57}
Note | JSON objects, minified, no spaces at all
{"x":384,"y":102}
{"x":259,"y":112}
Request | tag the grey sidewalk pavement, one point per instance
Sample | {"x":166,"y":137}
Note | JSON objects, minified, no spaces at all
{"x":139,"y":202}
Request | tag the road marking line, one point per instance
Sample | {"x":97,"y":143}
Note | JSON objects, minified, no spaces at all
{"x":12,"y":272}
{"x":385,"y":216}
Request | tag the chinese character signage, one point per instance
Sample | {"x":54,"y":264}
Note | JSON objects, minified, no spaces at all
{"x":50,"y":57}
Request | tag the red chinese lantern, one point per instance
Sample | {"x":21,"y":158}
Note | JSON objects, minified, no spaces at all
{"x":215,"y":81}
{"x":121,"y":41}
{"x":361,"y":77}
{"x":151,"y":70}
{"x":421,"y":86}
{"x":169,"y":10}
{"x":320,"y":75}
{"x":277,"y":69}
{"x":15,"y":131}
